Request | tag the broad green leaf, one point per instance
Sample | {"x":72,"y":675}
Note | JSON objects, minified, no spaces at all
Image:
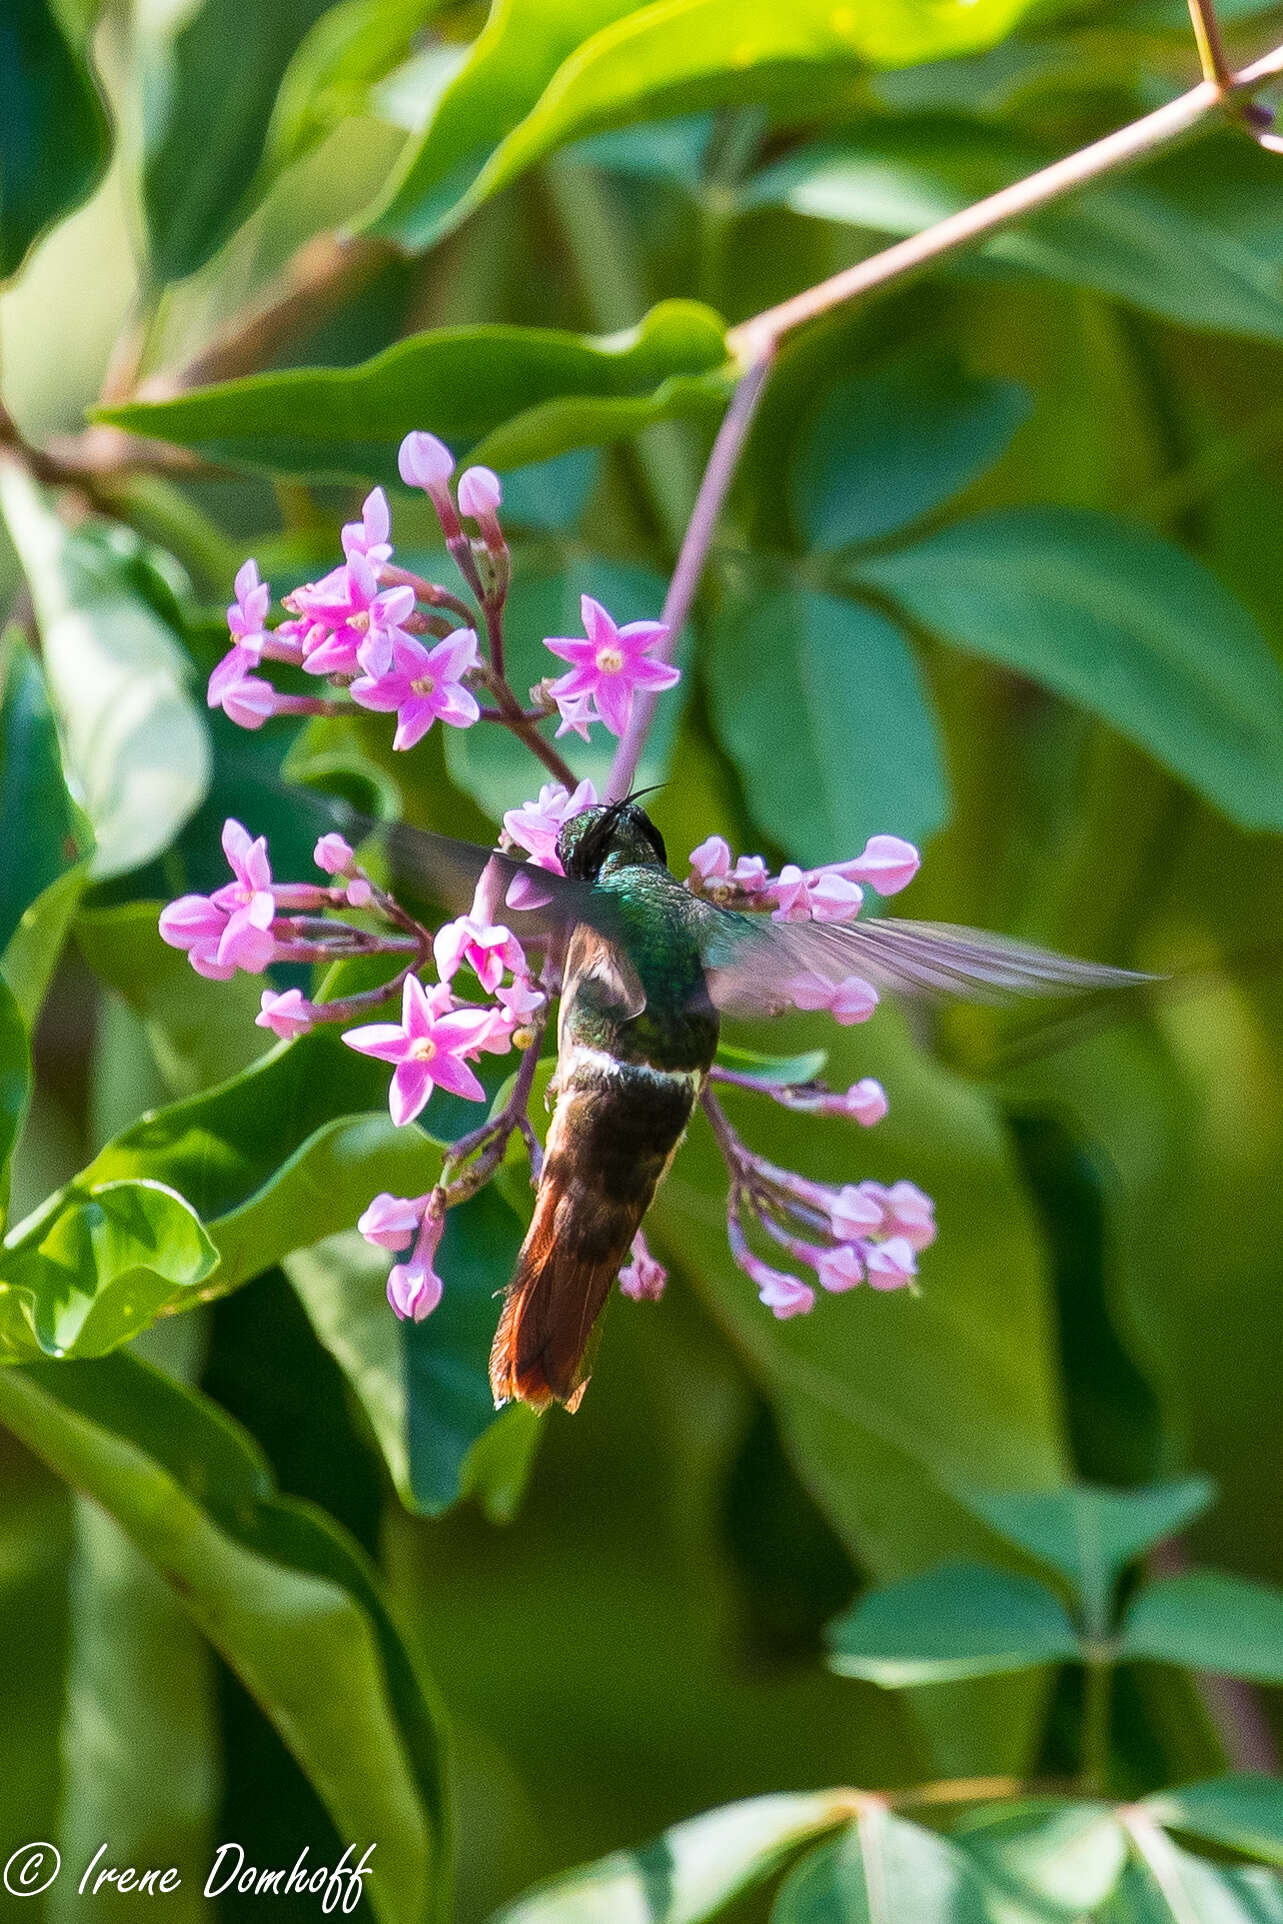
{"x":1063,"y":1859}
{"x":1168,"y":1886}
{"x":425,"y":1386}
{"x":668,"y":57}
{"x":54,"y":139}
{"x":333,"y":68}
{"x":1209,"y":1620}
{"x":208,"y":90}
{"x":1244,"y":1811}
{"x":15,"y":1084}
{"x":33,"y":794}
{"x":136,"y":747}
{"x":1091,"y":1535}
{"x":962,"y":1620}
{"x":1128,"y":626}
{"x":780,"y":1071}
{"x":1168,"y":246}
{"x":692,"y":1872}
{"x":496,"y":768}
{"x":138,"y":1736}
{"x":836,"y":688}
{"x":28,"y":963}
{"x":882,"y":1870}
{"x":889,"y":445}
{"x":281,"y":1592}
{"x":199,"y":1031}
{"x":103,"y":1265}
{"x":503,"y":395}
{"x":551,"y":495}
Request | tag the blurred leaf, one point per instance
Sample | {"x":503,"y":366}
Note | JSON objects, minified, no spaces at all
{"x":138,"y":1739}
{"x":882,"y":1870}
{"x":32,"y":789}
{"x":199,"y":1031}
{"x":342,"y":1284}
{"x":503,"y":395}
{"x":208,"y":90}
{"x":1140,"y":240}
{"x":99,"y":1263}
{"x":1091,"y":1535}
{"x":551,"y":495}
{"x":1128,"y":626}
{"x":286,"y":1597}
{"x":655,"y":59}
{"x":1064,"y":1859}
{"x":1171,"y":1887}
{"x":491,"y":764}
{"x":15,"y":1083}
{"x":1209,"y":1620}
{"x":888,"y":446}
{"x":54,"y":137}
{"x":28,"y":963}
{"x":334,"y":66}
{"x":136,"y":747}
{"x":860,"y":755}
{"x":780,"y":1071}
{"x":692,"y":1872}
{"x":962,"y":1620}
{"x":1245,"y":1812}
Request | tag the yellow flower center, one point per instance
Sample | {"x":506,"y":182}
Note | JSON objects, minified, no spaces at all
{"x":610,"y":660}
{"x":425,"y":685}
{"x":359,"y":621}
{"x":422,"y":1049}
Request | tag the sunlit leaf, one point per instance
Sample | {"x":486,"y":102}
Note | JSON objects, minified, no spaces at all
{"x":505,"y":395}
{"x":883,"y":1870}
{"x":15,"y":1078}
{"x":962,"y":1620}
{"x":1063,"y":1857}
{"x":1244,"y":1811}
{"x":1124,"y":624}
{"x":1169,"y":1886}
{"x":281,"y":1592}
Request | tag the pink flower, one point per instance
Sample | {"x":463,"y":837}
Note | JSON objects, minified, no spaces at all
{"x":287,"y":1016}
{"x":479,"y":493}
{"x":907,"y":1213}
{"x":392,"y":1222}
{"x":854,"y":1213}
{"x":520,"y":1002}
{"x":839,"y":1269}
{"x":890,"y":1265}
{"x":536,"y":825}
{"x":782,"y":1294}
{"x":488,"y":949}
{"x":644,"y":1278}
{"x":353,"y":621}
{"x":849,"y":1001}
{"x":578,"y":713}
{"x":247,"y":902}
{"x":194,"y":924}
{"x":819,"y":895}
{"x":247,"y":616}
{"x":359,"y":893}
{"x":424,"y":462}
{"x":887,"y":864}
{"x":711,"y":861}
{"x":249,"y":702}
{"x":865,"y":1102}
{"x":423,"y":685}
{"x":427,"y":1048}
{"x":612,"y":664}
{"x":369,"y":535}
{"x":332,"y":854}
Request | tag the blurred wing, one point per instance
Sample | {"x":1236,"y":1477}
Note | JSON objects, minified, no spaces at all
{"x":751,"y":961}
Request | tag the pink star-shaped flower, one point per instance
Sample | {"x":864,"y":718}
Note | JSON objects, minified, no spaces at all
{"x":536,"y":825}
{"x":488,"y":949}
{"x":427,"y":1048}
{"x":287,"y":1016}
{"x":369,"y":535}
{"x":423,"y":685}
{"x":247,"y":902}
{"x":612,"y":663}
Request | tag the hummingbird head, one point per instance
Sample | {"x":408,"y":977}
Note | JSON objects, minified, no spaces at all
{"x":620,"y":830}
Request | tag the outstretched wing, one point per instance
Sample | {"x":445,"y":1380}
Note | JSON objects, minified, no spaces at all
{"x":752,"y":960}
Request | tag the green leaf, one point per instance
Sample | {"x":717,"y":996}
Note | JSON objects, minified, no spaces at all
{"x":135,"y":745}
{"x":15,"y":1084}
{"x":689,"y":1873}
{"x":862,"y":755}
{"x":1062,"y":1859}
{"x":1091,"y":1535}
{"x":28,"y":963}
{"x":588,"y":71}
{"x":333,"y":68}
{"x":54,"y":138}
{"x":1243,"y":1811}
{"x":490,"y":763}
{"x":778,"y":1071}
{"x":888,"y":446}
{"x":882,"y":1870}
{"x":1179,"y":247}
{"x":1126,"y":625}
{"x":279,"y":1589}
{"x":101,"y":1266}
{"x":208,"y":94}
{"x":962,"y":1620}
{"x":32,"y":789}
{"x":1170,"y":1887}
{"x":1209,"y":1620}
{"x":504,"y":395}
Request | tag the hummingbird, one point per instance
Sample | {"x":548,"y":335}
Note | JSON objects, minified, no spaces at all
{"x":648,"y":971}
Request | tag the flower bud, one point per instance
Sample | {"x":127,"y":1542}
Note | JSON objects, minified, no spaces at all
{"x":479,"y":493}
{"x":424,"y":462}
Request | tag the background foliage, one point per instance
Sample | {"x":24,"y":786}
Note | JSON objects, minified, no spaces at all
{"x":1000,"y":573}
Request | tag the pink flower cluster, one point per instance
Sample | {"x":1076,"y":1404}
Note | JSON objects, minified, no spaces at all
{"x":607,"y":669}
